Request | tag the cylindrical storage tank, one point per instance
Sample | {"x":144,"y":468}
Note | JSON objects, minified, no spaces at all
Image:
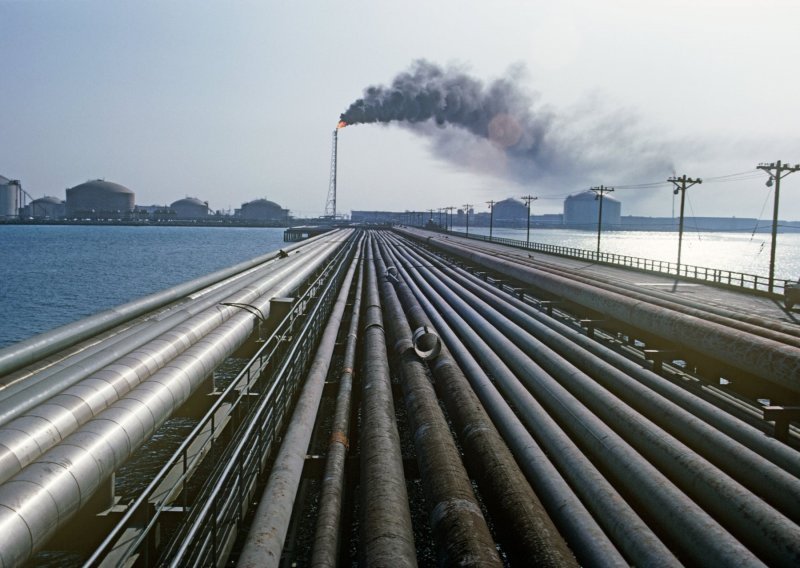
{"x":582,"y":210}
{"x":190,"y":208}
{"x":99,"y":199}
{"x":509,"y":213}
{"x":9,"y":198}
{"x":263,"y":210}
{"x":46,"y":208}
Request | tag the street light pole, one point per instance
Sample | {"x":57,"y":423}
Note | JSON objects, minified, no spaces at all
{"x":527,"y":199}
{"x":599,"y":192}
{"x":466,"y":210}
{"x":682,"y":184}
{"x":781,"y":171}
{"x":491,"y":217}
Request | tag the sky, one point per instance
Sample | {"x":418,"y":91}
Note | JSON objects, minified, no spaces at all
{"x":235,"y":100}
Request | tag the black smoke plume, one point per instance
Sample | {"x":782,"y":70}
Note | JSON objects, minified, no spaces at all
{"x":497,"y":129}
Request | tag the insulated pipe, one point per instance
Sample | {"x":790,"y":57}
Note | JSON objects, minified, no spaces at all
{"x":772,"y":361}
{"x":325,"y":551}
{"x":687,"y":524}
{"x":115,"y":343}
{"x":629,"y":533}
{"x":24,"y":439}
{"x":42,"y":498}
{"x":188,"y":321}
{"x":526,"y":523}
{"x":30,"y":350}
{"x":386,"y":534}
{"x":269,"y":526}
{"x":459,"y":528}
{"x":748,"y":517}
{"x":738,"y":448}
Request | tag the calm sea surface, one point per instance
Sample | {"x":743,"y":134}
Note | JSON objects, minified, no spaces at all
{"x":53,"y":275}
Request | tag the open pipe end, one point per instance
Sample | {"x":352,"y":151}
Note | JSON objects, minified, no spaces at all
{"x":427,"y":343}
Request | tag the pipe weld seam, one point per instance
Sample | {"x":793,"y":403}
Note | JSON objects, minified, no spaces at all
{"x":339,"y":437}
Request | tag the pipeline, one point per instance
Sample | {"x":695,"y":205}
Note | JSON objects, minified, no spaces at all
{"x":746,"y":516}
{"x":327,"y":536}
{"x":270,"y":524}
{"x":629,"y":533}
{"x":43,"y":496}
{"x":729,"y":443}
{"x":30,"y":350}
{"x":386,"y":534}
{"x":68,"y":407}
{"x":772,"y":361}
{"x":528,"y":529}
{"x":459,"y":528}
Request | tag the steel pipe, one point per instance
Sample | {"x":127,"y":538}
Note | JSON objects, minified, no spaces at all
{"x":270,"y":524}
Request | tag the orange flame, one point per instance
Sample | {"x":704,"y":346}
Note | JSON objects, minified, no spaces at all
{"x":341,"y":124}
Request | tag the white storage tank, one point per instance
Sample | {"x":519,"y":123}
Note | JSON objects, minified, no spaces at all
{"x":190,"y":208}
{"x":99,"y":199}
{"x":582,"y":209}
{"x":10,"y":198}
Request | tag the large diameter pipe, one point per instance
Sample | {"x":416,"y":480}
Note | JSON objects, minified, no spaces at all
{"x":459,"y":528}
{"x":325,"y":551}
{"x":24,"y":439}
{"x":629,"y":533}
{"x":528,"y":527}
{"x":749,"y":518}
{"x":386,"y":531}
{"x":30,"y":350}
{"x":43,"y":497}
{"x":780,"y":488}
{"x":270,"y":523}
{"x":663,"y":501}
{"x":769,"y":360}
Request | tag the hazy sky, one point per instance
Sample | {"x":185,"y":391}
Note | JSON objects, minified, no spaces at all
{"x":234,"y":100}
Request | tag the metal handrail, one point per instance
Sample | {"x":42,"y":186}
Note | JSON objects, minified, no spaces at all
{"x":239,"y":394}
{"x":715,"y":276}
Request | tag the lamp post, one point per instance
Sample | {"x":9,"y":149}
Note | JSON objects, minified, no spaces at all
{"x":781,"y":171}
{"x":491,"y":217}
{"x":466,"y":211}
{"x":527,"y":199}
{"x":682,"y":184}
{"x":599,"y":192}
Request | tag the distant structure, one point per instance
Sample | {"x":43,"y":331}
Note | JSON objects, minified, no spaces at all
{"x":190,"y":208}
{"x":46,"y":207}
{"x":509,"y":213}
{"x":581,"y":211}
{"x":263,"y":210}
{"x":11,"y":198}
{"x":99,"y":199}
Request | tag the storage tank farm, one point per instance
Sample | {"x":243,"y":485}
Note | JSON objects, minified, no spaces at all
{"x":10,"y":198}
{"x":99,"y":199}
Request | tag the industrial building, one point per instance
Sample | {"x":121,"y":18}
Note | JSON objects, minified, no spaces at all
{"x":11,"y":198}
{"x":99,"y":199}
{"x":263,"y":210}
{"x":190,"y":208}
{"x":581,"y":210}
{"x":46,"y":207}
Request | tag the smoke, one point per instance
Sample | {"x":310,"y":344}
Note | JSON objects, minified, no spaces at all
{"x":496,"y":128}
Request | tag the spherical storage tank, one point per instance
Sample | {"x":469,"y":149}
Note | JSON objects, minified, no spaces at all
{"x":99,"y":199}
{"x":582,"y":209}
{"x":263,"y":210}
{"x":190,"y":208}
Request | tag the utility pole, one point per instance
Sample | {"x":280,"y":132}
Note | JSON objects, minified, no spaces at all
{"x":682,"y":184}
{"x":490,"y":203}
{"x":780,"y":171}
{"x":599,"y":192}
{"x":430,"y":218}
{"x":450,"y":211}
{"x":467,"y":207}
{"x":527,"y":199}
